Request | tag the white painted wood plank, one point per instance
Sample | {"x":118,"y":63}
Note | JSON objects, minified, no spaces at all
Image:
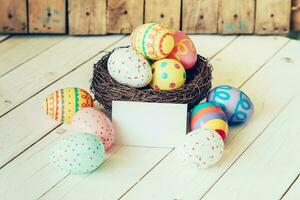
{"x":269,"y":166}
{"x":23,"y":121}
{"x":170,"y":180}
{"x":293,"y":192}
{"x":19,"y":49}
{"x":3,"y":37}
{"x":24,"y":82}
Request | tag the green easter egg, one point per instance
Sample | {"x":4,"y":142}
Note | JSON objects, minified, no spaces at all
{"x":78,"y":153}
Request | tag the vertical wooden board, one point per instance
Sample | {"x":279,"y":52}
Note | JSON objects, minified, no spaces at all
{"x":166,"y":12}
{"x":13,"y":17}
{"x":87,"y":17}
{"x":47,"y":16}
{"x":124,"y":15}
{"x":296,"y":15}
{"x":272,"y":16}
{"x":236,"y":16}
{"x":200,"y":16}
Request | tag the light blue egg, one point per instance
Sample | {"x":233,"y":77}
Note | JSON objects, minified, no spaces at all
{"x":78,"y":153}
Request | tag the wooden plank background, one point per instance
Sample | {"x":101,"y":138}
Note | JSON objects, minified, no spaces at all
{"x":94,"y":17}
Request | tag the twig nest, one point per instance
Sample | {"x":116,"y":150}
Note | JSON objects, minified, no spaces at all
{"x":195,"y":89}
{"x":168,"y":74}
{"x":236,"y":104}
{"x":152,"y":40}
{"x":202,"y":148}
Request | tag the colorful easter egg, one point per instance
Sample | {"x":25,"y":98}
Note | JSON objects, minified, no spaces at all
{"x":209,"y":116}
{"x":202,"y":148}
{"x":93,"y":121}
{"x":168,"y":74}
{"x":154,"y":41}
{"x":78,"y":153}
{"x":236,"y":104}
{"x":62,"y":104}
{"x":128,"y":67}
{"x":184,"y":50}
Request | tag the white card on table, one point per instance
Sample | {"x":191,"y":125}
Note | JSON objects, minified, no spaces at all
{"x":149,"y":124}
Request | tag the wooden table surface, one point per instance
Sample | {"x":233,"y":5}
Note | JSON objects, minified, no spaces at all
{"x":261,"y":159}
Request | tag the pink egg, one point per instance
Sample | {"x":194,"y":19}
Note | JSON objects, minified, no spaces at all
{"x":93,"y":121}
{"x":184,"y":50}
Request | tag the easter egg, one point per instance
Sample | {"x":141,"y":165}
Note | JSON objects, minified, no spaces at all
{"x":168,"y":74}
{"x":62,"y":104}
{"x":78,"y":153}
{"x":202,"y":148}
{"x":154,"y":41}
{"x":128,"y":67}
{"x":93,"y":121}
{"x":236,"y":104}
{"x":184,"y":50}
{"x":209,"y":116}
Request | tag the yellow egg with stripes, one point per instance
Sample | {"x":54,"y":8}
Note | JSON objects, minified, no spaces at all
{"x":154,"y":41}
{"x":61,"y":105}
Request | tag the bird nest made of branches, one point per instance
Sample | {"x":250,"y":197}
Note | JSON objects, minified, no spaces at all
{"x":195,"y":89}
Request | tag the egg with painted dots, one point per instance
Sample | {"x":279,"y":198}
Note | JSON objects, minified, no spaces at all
{"x":94,"y":121}
{"x":237,"y":106}
{"x":168,"y":74}
{"x":78,"y":153}
{"x":202,"y":148}
{"x":129,"y":67}
{"x":154,"y":41}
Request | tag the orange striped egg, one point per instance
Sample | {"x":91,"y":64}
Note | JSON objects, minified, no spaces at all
{"x":152,"y":40}
{"x":209,"y":116}
{"x":61,"y":105}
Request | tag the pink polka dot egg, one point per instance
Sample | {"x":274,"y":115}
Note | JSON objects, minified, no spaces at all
{"x":202,"y":148}
{"x":78,"y":153}
{"x":168,"y":74}
{"x":94,"y":121}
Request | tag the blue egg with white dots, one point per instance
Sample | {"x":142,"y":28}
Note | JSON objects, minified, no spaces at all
{"x":237,"y":106}
{"x":78,"y":153}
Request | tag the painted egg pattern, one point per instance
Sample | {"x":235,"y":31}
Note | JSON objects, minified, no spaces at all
{"x":184,"y":50}
{"x":236,"y":104}
{"x":128,"y":67}
{"x":168,"y":74}
{"x":152,"y":40}
{"x":203,"y":147}
{"x":61,"y":105}
{"x":78,"y":153}
{"x":93,"y":121}
{"x":209,"y":116}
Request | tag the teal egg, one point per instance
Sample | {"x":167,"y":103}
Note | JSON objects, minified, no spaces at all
{"x":78,"y":153}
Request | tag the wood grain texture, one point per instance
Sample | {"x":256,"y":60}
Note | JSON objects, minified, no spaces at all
{"x":124,"y":15}
{"x":236,"y":16}
{"x":181,"y":181}
{"x":47,"y":16}
{"x":166,"y":12}
{"x":14,"y":52}
{"x":272,"y":16}
{"x":13,"y":17}
{"x":200,"y":16}
{"x":87,"y":17}
{"x":296,"y":15}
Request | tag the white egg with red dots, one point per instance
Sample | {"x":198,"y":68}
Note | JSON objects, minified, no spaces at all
{"x":129,"y":67}
{"x":78,"y":153}
{"x":202,"y":148}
